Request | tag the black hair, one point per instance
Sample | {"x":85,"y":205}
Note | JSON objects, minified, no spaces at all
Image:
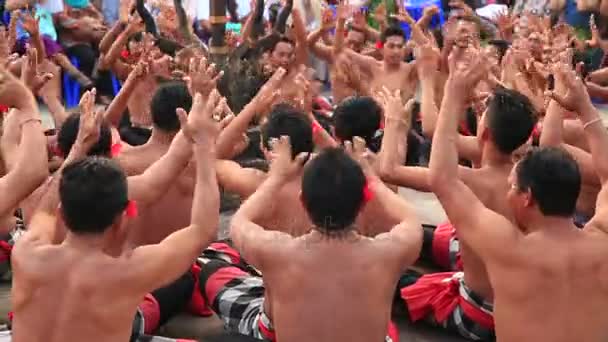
{"x":357,"y":116}
{"x":333,"y":190}
{"x":168,"y":97}
{"x":93,"y":193}
{"x":501,"y":46}
{"x":137,"y":37}
{"x":66,"y":137}
{"x":282,"y":39}
{"x":392,"y":31}
{"x":553,"y":178}
{"x":286,"y":120}
{"x":510,"y":119}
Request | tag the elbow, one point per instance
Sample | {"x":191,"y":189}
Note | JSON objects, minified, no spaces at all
{"x":439,"y":181}
{"x":386,"y":172}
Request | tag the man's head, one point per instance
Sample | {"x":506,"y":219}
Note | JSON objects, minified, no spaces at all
{"x":545,"y":181}
{"x":393,"y":45}
{"x":496,"y":50}
{"x":282,"y":54}
{"x":135,"y":43}
{"x":168,"y":97}
{"x":508,"y":121}
{"x":333,"y":191}
{"x":355,"y":39}
{"x":466,"y":32}
{"x":93,"y":194}
{"x":357,"y":116}
{"x":66,"y":137}
{"x":287,"y":120}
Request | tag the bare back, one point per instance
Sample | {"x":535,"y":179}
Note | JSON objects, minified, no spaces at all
{"x":172,"y":212}
{"x":65,"y":286}
{"x":350,"y":281}
{"x":556,"y":289}
{"x":490,"y":185}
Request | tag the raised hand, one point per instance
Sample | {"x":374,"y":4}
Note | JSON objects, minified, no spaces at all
{"x":575,"y":98}
{"x":392,"y":104}
{"x":467,"y":68}
{"x":90,"y":121}
{"x":430,"y":11}
{"x":30,"y":74}
{"x":506,"y":23}
{"x":343,"y":11}
{"x":596,"y":40}
{"x":380,"y":13}
{"x":428,"y":57}
{"x":30,"y":23}
{"x":357,"y":150}
{"x":202,"y":125}
{"x":404,"y":16}
{"x":327,"y":19}
{"x":270,"y":91}
{"x":283,"y":166}
{"x":202,"y":77}
{"x":13,"y":92}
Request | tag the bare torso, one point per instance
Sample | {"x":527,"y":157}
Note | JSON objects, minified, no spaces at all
{"x":80,"y":294}
{"x":168,"y":214}
{"x":403,"y":79}
{"x":557,"y":289}
{"x":351,"y":281}
{"x":491,"y":187}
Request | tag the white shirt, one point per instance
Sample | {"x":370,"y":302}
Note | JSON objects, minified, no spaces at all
{"x":53,"y":6}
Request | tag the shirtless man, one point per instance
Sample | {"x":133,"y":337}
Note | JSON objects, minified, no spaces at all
{"x":542,"y":268}
{"x":96,"y":285}
{"x":506,"y":108}
{"x":392,"y":72}
{"x":279,"y":306}
{"x":355,"y":40}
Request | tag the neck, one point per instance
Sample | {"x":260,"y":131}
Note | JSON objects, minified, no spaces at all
{"x":344,"y":234}
{"x":159,"y":137}
{"x":86,"y":242}
{"x":555,"y":224}
{"x":391,"y":66}
{"x":490,"y":156}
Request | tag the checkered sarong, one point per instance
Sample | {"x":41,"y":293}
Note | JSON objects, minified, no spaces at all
{"x":138,"y":335}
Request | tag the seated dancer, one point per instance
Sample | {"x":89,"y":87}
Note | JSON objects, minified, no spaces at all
{"x":561,"y":291}
{"x":426,"y":297}
{"x":92,"y":261}
{"x":334,"y":190}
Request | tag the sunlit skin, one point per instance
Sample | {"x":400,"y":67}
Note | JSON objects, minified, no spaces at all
{"x":355,"y":40}
{"x":283,"y":55}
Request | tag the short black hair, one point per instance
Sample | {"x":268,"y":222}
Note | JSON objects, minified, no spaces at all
{"x":93,"y":192}
{"x":285,"y":119}
{"x":501,"y":45}
{"x":282,"y":39}
{"x":553,"y":178}
{"x":392,"y":31}
{"x":333,"y":190}
{"x":66,"y":137}
{"x":357,"y":116}
{"x":168,"y":97}
{"x":510,"y":118}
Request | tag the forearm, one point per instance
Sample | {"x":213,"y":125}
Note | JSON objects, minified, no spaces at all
{"x":597,"y":137}
{"x":281,"y":22}
{"x":258,"y":203}
{"x":444,"y":154}
{"x":428,"y":107}
{"x":553,"y":126}
{"x":597,"y":91}
{"x":108,"y":59}
{"x":38,"y":44}
{"x":111,"y":36}
{"x":300,"y":35}
{"x":235,"y":130}
{"x":394,"y":207}
{"x":206,"y":201}
{"x":56,"y":109}
{"x":599,"y":76}
{"x":339,"y":37}
{"x":156,"y":180}
{"x":314,"y":37}
{"x":394,"y":148}
{"x":118,"y":105}
{"x":321,"y":137}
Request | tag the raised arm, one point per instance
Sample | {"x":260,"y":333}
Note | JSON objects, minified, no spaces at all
{"x":107,"y":59}
{"x":577,"y":99}
{"x":489,"y":234}
{"x":118,"y":105}
{"x":319,"y":49}
{"x":151,"y":185}
{"x":42,"y":229}
{"x":281,"y":23}
{"x":157,"y":265}
{"x":31,"y":166}
{"x":261,"y":102}
{"x":251,"y":239}
{"x":299,"y":29}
